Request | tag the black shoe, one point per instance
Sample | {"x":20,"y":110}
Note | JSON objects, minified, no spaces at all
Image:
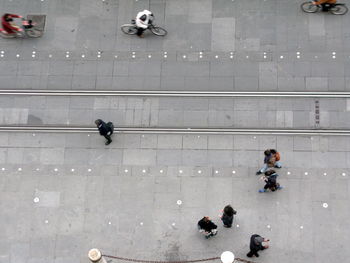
{"x":108,"y":142}
{"x":277,"y":166}
{"x":258,"y":172}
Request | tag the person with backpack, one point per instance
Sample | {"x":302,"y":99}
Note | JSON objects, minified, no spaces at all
{"x":270,"y":180}
{"x":207,"y":227}
{"x":271,"y":160}
{"x":105,"y":129}
{"x":227,"y":216}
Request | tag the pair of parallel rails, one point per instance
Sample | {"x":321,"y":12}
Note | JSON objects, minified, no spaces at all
{"x":179,"y":94}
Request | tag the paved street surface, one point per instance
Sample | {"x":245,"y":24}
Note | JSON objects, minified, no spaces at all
{"x":63,"y":194}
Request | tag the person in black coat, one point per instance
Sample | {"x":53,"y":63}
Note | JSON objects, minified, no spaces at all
{"x":207,"y":227}
{"x":105,"y":129}
{"x":270,"y":180}
{"x":227,"y":216}
{"x":256,"y":244}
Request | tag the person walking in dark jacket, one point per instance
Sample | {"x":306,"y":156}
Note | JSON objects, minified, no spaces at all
{"x":270,"y":179}
{"x":256,"y":244}
{"x":227,"y":216}
{"x":105,"y":129}
{"x":207,"y":227}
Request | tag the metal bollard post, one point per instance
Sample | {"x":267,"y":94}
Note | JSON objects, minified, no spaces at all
{"x":95,"y":256}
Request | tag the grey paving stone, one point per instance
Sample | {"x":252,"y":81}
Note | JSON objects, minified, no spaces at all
{"x":30,"y":68}
{"x":223,"y":31}
{"x":170,"y":118}
{"x":222,"y":83}
{"x":76,"y":156}
{"x":267,"y":76}
{"x":145,"y":69}
{"x":246,"y":69}
{"x":246,"y":118}
{"x":194,"y":103}
{"x":220,"y":142}
{"x":28,"y":82}
{"x":84,"y":82}
{"x":199,"y":10}
{"x":52,"y":156}
{"x":195,"y":119}
{"x":199,"y":35}
{"x":14,"y":156}
{"x":194,"y":157}
{"x":196,"y":83}
{"x":336,"y":84}
{"x":220,"y":158}
{"x":31,"y":156}
{"x":247,"y":158}
{"x":59,"y":68}
{"x":314,"y":83}
{"x":291,"y":83}
{"x":104,"y":83}
{"x":169,"y":157}
{"x":221,"y":69}
{"x":8,"y":68}
{"x":59,"y":82}
{"x":169,"y":142}
{"x":105,"y":68}
{"x":139,"y":157}
{"x":194,"y":142}
{"x":246,"y":83}
{"x":302,"y":69}
{"x":316,"y":26}
{"x":3,"y":153}
{"x":19,"y":252}
{"x":172,"y":83}
{"x":7,"y":82}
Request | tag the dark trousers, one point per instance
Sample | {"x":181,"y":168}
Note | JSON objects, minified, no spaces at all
{"x":326,"y":7}
{"x":108,"y":137}
{"x":252,"y":253}
{"x":140,"y":31}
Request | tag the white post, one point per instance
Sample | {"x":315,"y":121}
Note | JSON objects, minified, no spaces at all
{"x":227,"y":257}
{"x":95,"y":256}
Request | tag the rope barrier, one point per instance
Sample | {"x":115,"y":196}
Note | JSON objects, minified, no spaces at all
{"x":183,"y":261}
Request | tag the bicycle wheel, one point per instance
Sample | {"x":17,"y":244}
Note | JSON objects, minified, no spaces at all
{"x":309,"y":7}
{"x":33,"y":33}
{"x":129,"y":29}
{"x":158,"y":31}
{"x":339,"y":10}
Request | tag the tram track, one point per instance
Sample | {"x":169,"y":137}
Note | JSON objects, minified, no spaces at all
{"x":176,"y":130}
{"x":152,"y":93}
{"x":171,"y":130}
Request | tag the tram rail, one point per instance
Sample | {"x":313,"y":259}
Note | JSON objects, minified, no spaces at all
{"x":172,"y":130}
{"x":168,"y":93}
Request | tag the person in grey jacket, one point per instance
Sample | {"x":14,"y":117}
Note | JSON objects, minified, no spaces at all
{"x":256,"y":244}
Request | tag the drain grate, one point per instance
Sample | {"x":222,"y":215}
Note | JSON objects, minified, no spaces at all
{"x":317,"y":113}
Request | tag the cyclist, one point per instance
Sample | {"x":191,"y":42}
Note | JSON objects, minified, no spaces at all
{"x":8,"y":25}
{"x":326,"y":4}
{"x":143,"y":20}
